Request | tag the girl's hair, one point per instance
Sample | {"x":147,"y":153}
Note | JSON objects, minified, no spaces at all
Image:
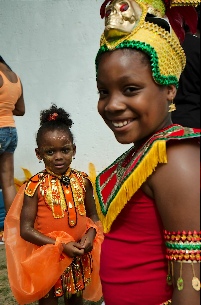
{"x":54,"y":119}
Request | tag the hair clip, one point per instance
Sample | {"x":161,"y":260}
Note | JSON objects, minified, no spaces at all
{"x":53,"y":116}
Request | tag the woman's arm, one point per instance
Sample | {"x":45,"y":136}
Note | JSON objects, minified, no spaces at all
{"x":20,"y":105}
{"x":176,"y":190}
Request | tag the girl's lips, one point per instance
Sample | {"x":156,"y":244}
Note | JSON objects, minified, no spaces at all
{"x":59,"y":165}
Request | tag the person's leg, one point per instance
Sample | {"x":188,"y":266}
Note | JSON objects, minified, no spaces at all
{"x":50,"y":299}
{"x":7,"y":178}
{"x":74,"y":300}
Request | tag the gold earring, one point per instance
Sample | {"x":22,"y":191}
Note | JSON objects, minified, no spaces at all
{"x":172,"y":106}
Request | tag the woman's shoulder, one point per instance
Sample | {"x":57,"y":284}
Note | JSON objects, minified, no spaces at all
{"x":7,"y":74}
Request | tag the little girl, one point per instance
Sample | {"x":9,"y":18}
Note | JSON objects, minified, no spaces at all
{"x":52,"y":235}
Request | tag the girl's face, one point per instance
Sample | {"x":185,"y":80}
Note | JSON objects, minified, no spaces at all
{"x":56,"y":151}
{"x":130,"y":102}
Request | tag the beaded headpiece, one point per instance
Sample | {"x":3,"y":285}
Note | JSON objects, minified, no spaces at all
{"x":146,"y":25}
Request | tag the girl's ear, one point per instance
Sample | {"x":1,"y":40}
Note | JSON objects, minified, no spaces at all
{"x":38,"y":154}
{"x":74,"y":149}
{"x":172,"y":90}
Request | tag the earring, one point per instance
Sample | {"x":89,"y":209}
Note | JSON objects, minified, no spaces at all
{"x":73,"y":158}
{"x":172,"y":106}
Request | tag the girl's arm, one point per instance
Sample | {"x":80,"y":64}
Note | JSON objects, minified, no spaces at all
{"x":175,"y":186}
{"x":90,"y":206}
{"x":90,"y":202}
{"x":27,"y":220}
{"x":27,"y":231}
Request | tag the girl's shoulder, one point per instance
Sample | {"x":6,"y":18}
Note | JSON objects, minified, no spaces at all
{"x":33,"y":183}
{"x":79,"y":173}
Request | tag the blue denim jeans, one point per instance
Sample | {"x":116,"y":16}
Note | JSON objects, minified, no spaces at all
{"x":8,"y":139}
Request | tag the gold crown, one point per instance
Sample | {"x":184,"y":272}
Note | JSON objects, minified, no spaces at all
{"x":127,"y":26}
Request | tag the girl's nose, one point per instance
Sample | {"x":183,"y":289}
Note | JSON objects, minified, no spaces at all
{"x":115,"y":103}
{"x":58,"y":156}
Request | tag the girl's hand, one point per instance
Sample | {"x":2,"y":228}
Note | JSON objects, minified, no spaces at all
{"x":73,"y":249}
{"x":86,"y":241}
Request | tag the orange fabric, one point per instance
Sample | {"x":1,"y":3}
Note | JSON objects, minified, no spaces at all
{"x":9,"y":94}
{"x":33,"y":270}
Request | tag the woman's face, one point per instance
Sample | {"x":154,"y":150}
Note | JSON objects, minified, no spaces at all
{"x":130,"y":102}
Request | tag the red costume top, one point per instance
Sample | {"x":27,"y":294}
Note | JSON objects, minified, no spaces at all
{"x":133,"y":256}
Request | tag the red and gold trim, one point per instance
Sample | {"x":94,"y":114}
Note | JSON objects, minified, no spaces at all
{"x":116,"y":185}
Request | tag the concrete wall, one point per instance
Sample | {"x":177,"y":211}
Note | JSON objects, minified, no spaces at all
{"x":51,"y":45}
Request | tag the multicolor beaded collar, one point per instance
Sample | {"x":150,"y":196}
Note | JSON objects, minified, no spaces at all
{"x":116,"y":185}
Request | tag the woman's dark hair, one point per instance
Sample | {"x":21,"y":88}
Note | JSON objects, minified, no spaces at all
{"x":3,"y":62}
{"x":52,"y":119}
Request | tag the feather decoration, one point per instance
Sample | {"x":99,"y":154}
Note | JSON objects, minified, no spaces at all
{"x":180,"y":16}
{"x":103,"y":7}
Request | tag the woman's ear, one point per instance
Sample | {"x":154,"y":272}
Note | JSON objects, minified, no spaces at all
{"x":171,"y":93}
{"x":38,"y":154}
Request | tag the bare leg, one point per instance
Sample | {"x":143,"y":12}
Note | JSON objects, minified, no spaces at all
{"x":50,"y":300}
{"x":7,"y":178}
{"x":74,"y":300}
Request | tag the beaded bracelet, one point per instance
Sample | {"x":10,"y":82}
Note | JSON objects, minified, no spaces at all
{"x":182,"y":247}
{"x":169,"y":302}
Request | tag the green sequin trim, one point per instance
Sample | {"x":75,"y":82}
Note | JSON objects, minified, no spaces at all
{"x":146,"y":48}
{"x":183,"y":246}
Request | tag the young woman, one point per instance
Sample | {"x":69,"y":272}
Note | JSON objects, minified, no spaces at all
{"x":148,"y":197}
{"x":11,"y":104}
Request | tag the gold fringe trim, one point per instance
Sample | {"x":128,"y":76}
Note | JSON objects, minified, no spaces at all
{"x":156,"y":154}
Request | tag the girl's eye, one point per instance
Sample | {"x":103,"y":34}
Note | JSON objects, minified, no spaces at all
{"x":130,"y":90}
{"x":49,"y":152}
{"x":124,"y":7}
{"x":65,"y":151}
{"x":102,"y":92}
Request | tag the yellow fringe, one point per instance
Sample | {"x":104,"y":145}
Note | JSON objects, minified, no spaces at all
{"x":157,"y":154}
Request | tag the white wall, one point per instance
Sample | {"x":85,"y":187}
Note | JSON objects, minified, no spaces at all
{"x":51,"y":45}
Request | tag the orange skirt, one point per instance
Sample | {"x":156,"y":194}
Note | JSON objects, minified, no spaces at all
{"x":33,"y":270}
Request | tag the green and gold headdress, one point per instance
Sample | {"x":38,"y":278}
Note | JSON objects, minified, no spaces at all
{"x":146,"y":25}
